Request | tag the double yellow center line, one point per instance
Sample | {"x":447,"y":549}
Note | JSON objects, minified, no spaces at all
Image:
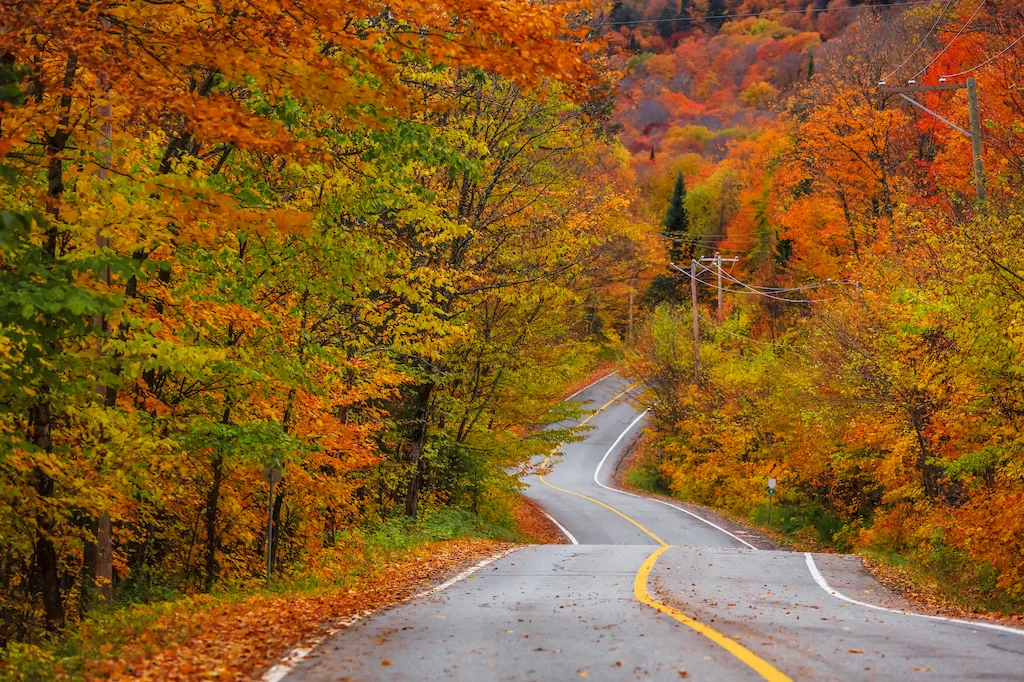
{"x":758,"y":664}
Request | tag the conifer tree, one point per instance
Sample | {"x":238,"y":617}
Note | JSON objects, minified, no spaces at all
{"x":677,"y":220}
{"x":716,"y":8}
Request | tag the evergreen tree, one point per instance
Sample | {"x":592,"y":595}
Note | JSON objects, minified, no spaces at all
{"x":716,"y":8}
{"x":666,"y":22}
{"x":677,"y":220}
{"x":677,"y":229}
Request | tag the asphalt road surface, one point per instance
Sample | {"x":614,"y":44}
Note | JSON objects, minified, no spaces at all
{"x":651,"y":592}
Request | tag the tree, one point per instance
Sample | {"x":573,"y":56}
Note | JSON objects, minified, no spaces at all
{"x":716,"y":8}
{"x":677,"y":222}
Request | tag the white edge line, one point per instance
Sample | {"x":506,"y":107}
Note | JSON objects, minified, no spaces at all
{"x":590,"y":386}
{"x":565,"y":531}
{"x":600,"y":464}
{"x":281,"y":670}
{"x":820,"y":579}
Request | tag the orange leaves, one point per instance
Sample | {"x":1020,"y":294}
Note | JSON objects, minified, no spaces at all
{"x":232,"y":640}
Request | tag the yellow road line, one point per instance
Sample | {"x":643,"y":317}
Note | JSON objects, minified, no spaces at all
{"x":609,"y":508}
{"x":759,"y":665}
{"x":591,"y":499}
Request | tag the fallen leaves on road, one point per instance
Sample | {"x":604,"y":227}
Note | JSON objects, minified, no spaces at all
{"x":233,"y":640}
{"x":532,"y":521}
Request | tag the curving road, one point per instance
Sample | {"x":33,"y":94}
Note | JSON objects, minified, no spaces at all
{"x":652,"y":592}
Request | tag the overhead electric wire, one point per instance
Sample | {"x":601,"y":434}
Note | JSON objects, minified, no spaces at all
{"x":923,"y":40}
{"x":772,"y":344}
{"x":773,"y":290}
{"x":766,"y":14}
{"x":987,"y":61}
{"x":950,"y":43}
{"x":783,"y":290}
{"x":752,"y":292}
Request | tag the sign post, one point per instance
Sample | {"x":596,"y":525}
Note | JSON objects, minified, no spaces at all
{"x":271,"y":474}
{"x":771,"y":494}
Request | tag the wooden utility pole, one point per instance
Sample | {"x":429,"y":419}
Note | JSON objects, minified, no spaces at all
{"x":718,"y":268}
{"x":717,"y":260}
{"x":631,"y":313}
{"x":696,"y":323}
{"x":976,"y":148}
{"x":975,"y":113}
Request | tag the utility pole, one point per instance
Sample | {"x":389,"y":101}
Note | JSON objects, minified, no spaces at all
{"x":975,"y":113}
{"x":630,"y":313}
{"x":718,"y":267}
{"x":696,"y":323}
{"x":718,"y":260}
{"x":694,"y":264}
{"x":976,"y":148}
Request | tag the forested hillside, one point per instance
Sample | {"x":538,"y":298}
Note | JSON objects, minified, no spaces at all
{"x":867,"y":354}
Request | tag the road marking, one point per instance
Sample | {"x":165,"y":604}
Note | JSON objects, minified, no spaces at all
{"x":590,"y":386}
{"x":820,"y":579}
{"x":762,"y":667}
{"x":609,"y":508}
{"x":589,"y":417}
{"x":600,"y":464}
{"x":285,"y":666}
{"x":565,"y":531}
{"x":759,"y":665}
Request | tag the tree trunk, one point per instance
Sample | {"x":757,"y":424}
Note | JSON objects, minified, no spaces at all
{"x":419,"y":441}
{"x":45,"y":552}
{"x":212,"y":500}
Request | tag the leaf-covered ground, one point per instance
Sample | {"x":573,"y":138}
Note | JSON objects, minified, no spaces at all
{"x":234,"y":640}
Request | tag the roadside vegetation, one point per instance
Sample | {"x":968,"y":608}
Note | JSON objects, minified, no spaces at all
{"x":357,"y":250}
{"x":867,"y":354}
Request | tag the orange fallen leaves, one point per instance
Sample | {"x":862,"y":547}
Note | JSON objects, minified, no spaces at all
{"x":234,"y":640}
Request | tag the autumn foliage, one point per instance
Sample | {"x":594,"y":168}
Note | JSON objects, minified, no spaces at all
{"x":877,"y":366}
{"x":355,"y":242}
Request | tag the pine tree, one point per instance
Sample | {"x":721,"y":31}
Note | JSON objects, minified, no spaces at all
{"x":716,"y":8}
{"x":677,"y":228}
{"x":677,"y":220}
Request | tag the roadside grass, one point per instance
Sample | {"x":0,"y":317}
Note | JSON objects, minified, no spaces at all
{"x":647,"y":477}
{"x":942,"y":577}
{"x":156,"y":619}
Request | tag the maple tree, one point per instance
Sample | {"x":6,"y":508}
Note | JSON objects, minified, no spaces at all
{"x":875,"y":365}
{"x":357,"y":243}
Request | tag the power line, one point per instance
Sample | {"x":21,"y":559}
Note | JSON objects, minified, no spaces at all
{"x":767,"y":14}
{"x":751,"y":339}
{"x":715,"y":236}
{"x":922,"y":42}
{"x":950,"y":43}
{"x":767,"y":290}
{"x":987,"y":61}
{"x":752,"y":291}
{"x":783,"y":290}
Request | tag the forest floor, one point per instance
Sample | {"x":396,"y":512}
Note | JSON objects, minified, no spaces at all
{"x":236,"y":638}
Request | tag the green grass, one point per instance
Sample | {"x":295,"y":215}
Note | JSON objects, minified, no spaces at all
{"x":647,"y":477}
{"x":799,"y":520}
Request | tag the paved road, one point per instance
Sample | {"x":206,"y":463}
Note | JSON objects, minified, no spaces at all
{"x":653,"y":593}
